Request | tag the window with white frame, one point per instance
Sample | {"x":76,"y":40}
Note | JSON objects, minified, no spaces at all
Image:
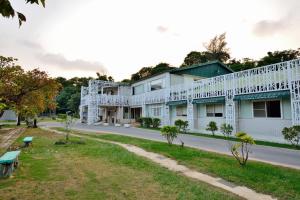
{"x":139,"y":89}
{"x":181,"y":111}
{"x":269,"y":109}
{"x":156,"y":84}
{"x":214,"y":110}
{"x":156,"y":111}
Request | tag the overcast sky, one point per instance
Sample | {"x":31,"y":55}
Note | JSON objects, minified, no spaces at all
{"x":79,"y":38}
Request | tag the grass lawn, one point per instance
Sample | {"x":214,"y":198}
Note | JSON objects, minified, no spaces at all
{"x":257,"y":142}
{"x":283,"y":183}
{"x":95,"y":170}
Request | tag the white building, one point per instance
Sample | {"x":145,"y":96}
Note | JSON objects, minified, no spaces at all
{"x":260,"y":101}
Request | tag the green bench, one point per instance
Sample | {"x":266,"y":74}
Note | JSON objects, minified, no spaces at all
{"x":8,"y":162}
{"x":27,"y":141}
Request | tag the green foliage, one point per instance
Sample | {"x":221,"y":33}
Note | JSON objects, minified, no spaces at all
{"x":217,"y":48}
{"x":241,"y":149}
{"x":292,"y":134}
{"x":68,"y":98}
{"x":226,"y":129}
{"x":146,"y":122}
{"x":212,"y":126}
{"x":61,"y":116}
{"x":270,"y":58}
{"x":170,"y":133}
{"x":181,"y":125}
{"x":155,"y":122}
{"x":149,"y":71}
{"x":195,"y":57}
{"x":104,"y":77}
{"x":6,"y":9}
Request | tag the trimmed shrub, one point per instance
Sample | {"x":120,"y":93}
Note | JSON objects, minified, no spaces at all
{"x":212,"y":126}
{"x":226,"y":129}
{"x":147,"y":122}
{"x":155,"y":122}
{"x":292,"y":135}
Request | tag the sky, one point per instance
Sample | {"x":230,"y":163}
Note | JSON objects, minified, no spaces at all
{"x":118,"y":37}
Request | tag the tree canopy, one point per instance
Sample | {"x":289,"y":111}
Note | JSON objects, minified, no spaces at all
{"x":27,"y":92}
{"x":217,"y":48}
{"x":149,"y":71}
{"x":8,"y":11}
{"x":270,"y":58}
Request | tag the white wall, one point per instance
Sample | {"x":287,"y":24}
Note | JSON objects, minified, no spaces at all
{"x":264,"y":128}
{"x":173,"y":115}
{"x":202,"y":121}
{"x":146,"y":82}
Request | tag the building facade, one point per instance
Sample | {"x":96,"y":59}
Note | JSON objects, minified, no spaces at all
{"x":260,"y":101}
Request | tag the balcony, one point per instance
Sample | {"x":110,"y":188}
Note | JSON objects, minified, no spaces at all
{"x":268,"y":78}
{"x":112,"y":100}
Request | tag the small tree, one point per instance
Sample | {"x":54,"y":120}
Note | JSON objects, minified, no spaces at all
{"x":292,"y":134}
{"x":240,"y":150}
{"x":170,"y":133}
{"x":155,"y":122}
{"x":185,"y":126}
{"x":181,"y":125}
{"x":212,"y":126}
{"x":68,"y":121}
{"x":226,"y":129}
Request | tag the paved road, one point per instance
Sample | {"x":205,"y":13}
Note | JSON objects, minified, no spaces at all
{"x":281,"y":156}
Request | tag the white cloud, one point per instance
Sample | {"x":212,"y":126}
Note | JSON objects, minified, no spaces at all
{"x":69,"y":65}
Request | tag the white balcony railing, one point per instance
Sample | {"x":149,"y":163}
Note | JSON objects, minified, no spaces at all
{"x":178,"y":92}
{"x":156,"y":96}
{"x":112,"y":100}
{"x":274,"y":77}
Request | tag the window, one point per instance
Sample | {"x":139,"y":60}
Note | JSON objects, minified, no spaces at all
{"x":214,"y":110}
{"x":269,"y":109}
{"x":139,"y":89}
{"x":156,"y":85}
{"x":181,"y":111}
{"x":156,"y":111}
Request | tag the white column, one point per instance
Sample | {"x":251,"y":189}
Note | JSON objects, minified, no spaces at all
{"x":191,"y":108}
{"x":231,"y":107}
{"x":166,"y":115}
{"x":92,"y":102}
{"x":294,"y":85}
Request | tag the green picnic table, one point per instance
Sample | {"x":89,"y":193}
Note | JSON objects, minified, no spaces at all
{"x":8,"y":162}
{"x":27,"y":141}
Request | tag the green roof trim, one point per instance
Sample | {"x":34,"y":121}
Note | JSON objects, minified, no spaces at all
{"x":206,"y":70}
{"x":209,"y":100}
{"x":201,"y":65}
{"x":176,"y":103}
{"x":264,"y":95}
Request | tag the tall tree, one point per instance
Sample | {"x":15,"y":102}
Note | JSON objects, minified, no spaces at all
{"x":149,"y":71}
{"x":6,"y":9}
{"x":161,"y":67}
{"x":217,"y":48}
{"x":195,"y":57}
{"x":278,"y":56}
{"x":244,"y":64}
{"x":27,"y":91}
{"x":104,"y":77}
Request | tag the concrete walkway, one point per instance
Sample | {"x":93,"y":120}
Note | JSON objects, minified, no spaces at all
{"x":277,"y":156}
{"x":174,"y":166}
{"x":9,"y":138}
